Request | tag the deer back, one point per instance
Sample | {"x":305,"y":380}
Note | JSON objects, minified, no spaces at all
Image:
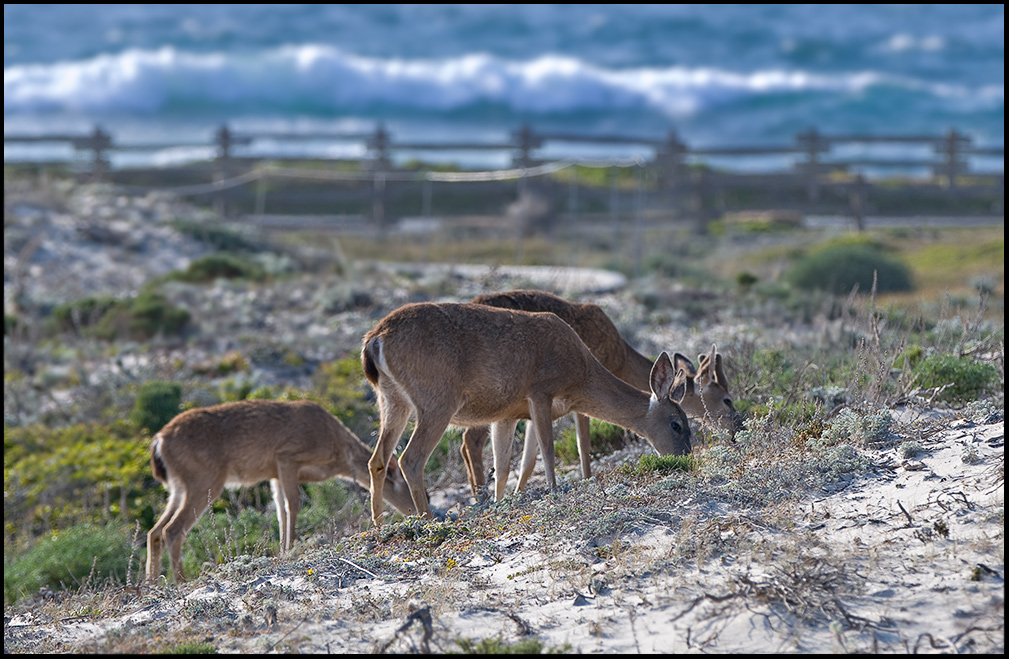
{"x":481,"y":360}
{"x":241,"y":442}
{"x":589,"y":321}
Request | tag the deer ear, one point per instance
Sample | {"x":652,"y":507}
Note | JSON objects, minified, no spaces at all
{"x":706,"y":370}
{"x":682,"y":362}
{"x":720,"y":374}
{"x":682,"y":385}
{"x":662,"y":377}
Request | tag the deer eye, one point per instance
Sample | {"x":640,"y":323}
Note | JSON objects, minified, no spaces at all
{"x":675,"y":425}
{"x":728,"y":403}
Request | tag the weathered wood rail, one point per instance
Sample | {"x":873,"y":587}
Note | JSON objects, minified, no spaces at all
{"x":673,"y":176}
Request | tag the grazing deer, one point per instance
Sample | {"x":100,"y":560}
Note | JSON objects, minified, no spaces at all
{"x":243,"y":443}
{"x":475,"y":365}
{"x":701,"y":394}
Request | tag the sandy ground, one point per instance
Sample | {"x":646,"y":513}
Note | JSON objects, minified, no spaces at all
{"x":907,"y":559}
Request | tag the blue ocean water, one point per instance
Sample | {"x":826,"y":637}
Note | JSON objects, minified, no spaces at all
{"x":715,"y":74}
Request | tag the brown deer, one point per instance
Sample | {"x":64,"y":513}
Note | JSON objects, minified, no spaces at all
{"x":247,"y":442}
{"x":475,"y":365}
{"x":703,"y":394}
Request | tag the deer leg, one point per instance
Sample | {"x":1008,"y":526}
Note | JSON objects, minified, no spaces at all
{"x":395,"y":412}
{"x":431,"y":425}
{"x":584,"y":444}
{"x":156,"y":536}
{"x":530,"y":449}
{"x":473,"y":441}
{"x":287,"y":496}
{"x":502,"y":434}
{"x":540,"y":413}
{"x":190,"y":509}
{"x":279,"y":501}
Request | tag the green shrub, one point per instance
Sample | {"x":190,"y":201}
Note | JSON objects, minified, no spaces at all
{"x":344,"y":391}
{"x":64,"y":560}
{"x":81,"y":314}
{"x":156,"y":404}
{"x":59,"y":477}
{"x":221,"y":237}
{"x":968,"y":380}
{"x":220,"y":265}
{"x":745,"y":280}
{"x":327,"y":502}
{"x":838,"y":268}
{"x":149,"y":314}
{"x":141,"y":318}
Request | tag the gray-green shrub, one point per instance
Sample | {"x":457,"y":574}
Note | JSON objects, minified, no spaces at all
{"x":968,"y":379}
{"x":839,"y":268}
{"x":156,"y":404}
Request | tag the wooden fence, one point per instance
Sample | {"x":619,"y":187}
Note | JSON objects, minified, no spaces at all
{"x":673,"y":176}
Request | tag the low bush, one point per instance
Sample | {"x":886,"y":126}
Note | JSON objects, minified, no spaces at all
{"x":68,"y":559}
{"x":220,"y":266}
{"x":839,"y":268}
{"x":965,"y":379}
{"x":55,"y":478}
{"x":141,"y":318}
{"x":156,"y":404}
{"x":221,"y":237}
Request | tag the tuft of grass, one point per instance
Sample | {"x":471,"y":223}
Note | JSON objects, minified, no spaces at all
{"x":498,"y":646}
{"x":661,"y":464}
{"x":190,"y":647}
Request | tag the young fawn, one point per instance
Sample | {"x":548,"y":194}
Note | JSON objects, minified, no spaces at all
{"x":286,"y":442}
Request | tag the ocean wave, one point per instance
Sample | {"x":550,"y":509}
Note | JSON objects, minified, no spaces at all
{"x":319,"y":79}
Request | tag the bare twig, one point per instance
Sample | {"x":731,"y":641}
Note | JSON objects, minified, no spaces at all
{"x":907,"y":514}
{"x":355,"y":565}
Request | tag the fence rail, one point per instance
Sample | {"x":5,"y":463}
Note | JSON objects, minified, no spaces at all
{"x":675,"y":175}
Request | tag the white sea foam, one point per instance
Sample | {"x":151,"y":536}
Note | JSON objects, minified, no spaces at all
{"x":313,"y":79}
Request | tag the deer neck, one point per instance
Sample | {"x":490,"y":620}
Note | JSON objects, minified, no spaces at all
{"x":636,"y":369}
{"x":355,"y":464}
{"x":608,"y":398}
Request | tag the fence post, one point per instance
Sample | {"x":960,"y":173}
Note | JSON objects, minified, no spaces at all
{"x":526,"y":141}
{"x":700,"y":188}
{"x":379,"y":145}
{"x":224,"y":142}
{"x":813,"y":143}
{"x":615,"y":201}
{"x":856,"y":201}
{"x":950,"y":148}
{"x":671,"y":162}
{"x":98,"y":142}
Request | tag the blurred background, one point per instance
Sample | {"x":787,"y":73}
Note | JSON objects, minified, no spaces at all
{"x":716,"y":75}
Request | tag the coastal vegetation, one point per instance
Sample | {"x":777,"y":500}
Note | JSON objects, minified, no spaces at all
{"x":825,"y":336}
